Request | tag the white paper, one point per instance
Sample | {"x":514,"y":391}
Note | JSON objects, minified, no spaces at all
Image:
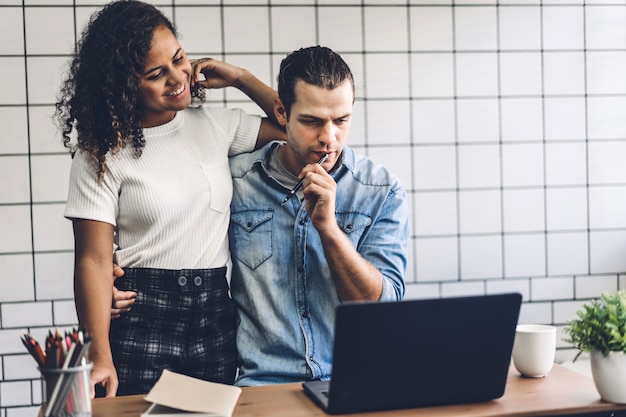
{"x":194,"y":395}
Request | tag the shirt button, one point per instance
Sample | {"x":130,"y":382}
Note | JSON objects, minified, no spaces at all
{"x":197,"y":281}
{"x":305,"y":314}
{"x":182,"y":280}
{"x":302,"y":222}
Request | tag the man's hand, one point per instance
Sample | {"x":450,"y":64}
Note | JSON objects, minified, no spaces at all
{"x":319,"y":190}
{"x":122,"y":300}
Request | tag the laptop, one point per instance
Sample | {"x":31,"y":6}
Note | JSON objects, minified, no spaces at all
{"x":418,"y":353}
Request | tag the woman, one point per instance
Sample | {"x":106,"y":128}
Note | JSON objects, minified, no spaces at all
{"x":150,"y":180}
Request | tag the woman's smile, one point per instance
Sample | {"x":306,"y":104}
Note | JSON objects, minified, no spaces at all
{"x":179,"y":92}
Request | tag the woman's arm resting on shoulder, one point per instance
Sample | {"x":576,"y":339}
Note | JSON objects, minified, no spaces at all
{"x":218,"y":74}
{"x":269,"y":132}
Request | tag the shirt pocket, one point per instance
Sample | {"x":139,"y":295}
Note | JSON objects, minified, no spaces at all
{"x":251,"y":240}
{"x":353,"y":225}
{"x":220,"y":185}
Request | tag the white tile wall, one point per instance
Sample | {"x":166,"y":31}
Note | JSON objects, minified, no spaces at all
{"x":504,"y":120}
{"x":14,"y":179}
{"x":606,"y":251}
{"x":480,"y":211}
{"x":475,"y":28}
{"x":603,"y":72}
{"x":200,"y":28}
{"x":25,"y":314}
{"x":520,"y":73}
{"x":246,"y":29}
{"x":551,"y":289}
{"x":594,"y":286}
{"x":523,"y":210}
{"x":536,"y":312}
{"x":335,"y":28}
{"x":392,"y":21}
{"x":605,"y":26}
{"x":564,"y":118}
{"x":395,"y":120}
{"x":522,"y":164}
{"x":436,"y":259}
{"x":566,"y":209}
{"x":521,"y":119}
{"x":478,"y":120}
{"x":297,"y":28}
{"x":433,"y":121}
{"x":524,"y":255}
{"x":12,"y":68}
{"x":432,"y":75}
{"x":15,"y":393}
{"x":18,"y":283}
{"x":520,"y":28}
{"x":434,"y":167}
{"x":566,"y":163}
{"x":19,"y":367}
{"x":13,"y":23}
{"x":563,"y":73}
{"x":434,"y":213}
{"x":604,"y":164}
{"x":481,"y":258}
{"x":567,"y":253}
{"x":57,"y":38}
{"x":605,"y":117}
{"x":476,"y":74}
{"x":431,"y":28}
{"x":10,"y":342}
{"x":479,"y":165}
{"x":563,"y":27}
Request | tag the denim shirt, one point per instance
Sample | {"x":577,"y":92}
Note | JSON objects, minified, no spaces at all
{"x":281,"y":281}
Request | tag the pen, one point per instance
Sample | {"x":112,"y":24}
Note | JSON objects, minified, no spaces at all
{"x":299,"y":184}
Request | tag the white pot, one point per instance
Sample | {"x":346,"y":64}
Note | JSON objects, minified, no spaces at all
{"x":609,"y":375}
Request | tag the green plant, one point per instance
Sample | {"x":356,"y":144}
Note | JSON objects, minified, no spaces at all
{"x":601,"y":325}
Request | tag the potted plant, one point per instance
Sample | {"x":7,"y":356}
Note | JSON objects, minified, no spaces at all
{"x":600,"y":329}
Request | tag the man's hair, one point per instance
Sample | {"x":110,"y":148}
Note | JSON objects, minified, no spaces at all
{"x":315,"y":65}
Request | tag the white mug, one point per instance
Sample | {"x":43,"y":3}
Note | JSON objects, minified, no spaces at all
{"x":534,"y":349}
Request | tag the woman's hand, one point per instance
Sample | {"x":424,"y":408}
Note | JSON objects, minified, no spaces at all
{"x":104,"y":374}
{"x":212,"y":73}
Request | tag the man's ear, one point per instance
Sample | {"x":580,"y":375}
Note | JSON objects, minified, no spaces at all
{"x":280,"y":112}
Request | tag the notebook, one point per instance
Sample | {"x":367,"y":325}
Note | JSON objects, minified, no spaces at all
{"x":416,"y":353}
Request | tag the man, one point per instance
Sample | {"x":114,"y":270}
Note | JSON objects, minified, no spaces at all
{"x":342,"y":237}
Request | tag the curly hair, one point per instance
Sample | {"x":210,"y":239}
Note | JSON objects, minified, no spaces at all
{"x":99,"y":97}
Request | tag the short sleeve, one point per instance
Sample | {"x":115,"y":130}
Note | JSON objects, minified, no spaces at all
{"x":87,"y":198}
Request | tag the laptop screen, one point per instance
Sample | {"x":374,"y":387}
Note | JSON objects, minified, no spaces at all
{"x":414,"y":353}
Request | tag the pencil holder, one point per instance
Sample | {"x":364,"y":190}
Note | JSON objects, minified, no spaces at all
{"x":67,"y":391}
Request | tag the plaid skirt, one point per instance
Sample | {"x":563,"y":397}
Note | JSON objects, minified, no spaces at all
{"x":183,"y":321}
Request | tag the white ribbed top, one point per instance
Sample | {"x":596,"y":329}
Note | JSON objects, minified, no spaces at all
{"x":171,"y":206}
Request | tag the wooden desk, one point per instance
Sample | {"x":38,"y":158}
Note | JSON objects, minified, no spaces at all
{"x":561,"y":392}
